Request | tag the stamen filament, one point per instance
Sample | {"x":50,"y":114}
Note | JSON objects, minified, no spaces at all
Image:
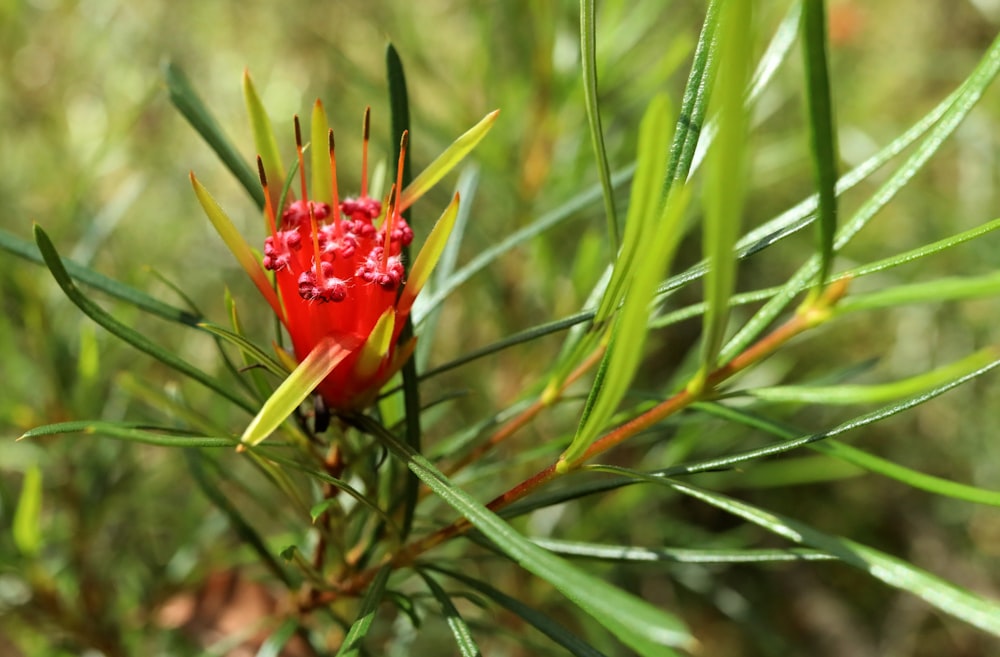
{"x":389,"y":213}
{"x":272,"y":221}
{"x":313,"y":227}
{"x":393,"y":212}
{"x":364,"y":152}
{"x":333,"y":180}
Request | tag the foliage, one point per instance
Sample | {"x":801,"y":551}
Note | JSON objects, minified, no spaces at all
{"x":600,"y":436}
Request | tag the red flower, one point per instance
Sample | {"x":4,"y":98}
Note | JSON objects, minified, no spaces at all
{"x":339,"y":273}
{"x":344,"y":291}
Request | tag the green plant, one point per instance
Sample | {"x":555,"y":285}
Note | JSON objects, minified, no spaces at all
{"x":357,"y":521}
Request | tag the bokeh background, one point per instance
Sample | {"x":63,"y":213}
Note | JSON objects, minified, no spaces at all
{"x":91,"y":149}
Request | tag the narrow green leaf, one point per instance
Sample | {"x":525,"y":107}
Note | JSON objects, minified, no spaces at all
{"x":544,"y":624}
{"x":237,"y":245}
{"x":132,"y":432}
{"x":264,"y":139}
{"x":186,"y":100}
{"x":319,"y":154}
{"x":460,"y":630}
{"x":116,"y":328}
{"x":624,"y":353}
{"x":793,"y":441}
{"x":645,"y":199}
{"x":274,"y":644}
{"x":29,"y":251}
{"x":647,"y":630}
{"x":962,"y":102}
{"x":275,"y":460}
{"x":861,"y":459}
{"x":652,"y":231}
{"x":399,"y":104}
{"x":908,"y":476}
{"x":694,"y":310}
{"x":428,"y":256}
{"x":821,"y":130}
{"x":943,"y":595}
{"x":936,"y":291}
{"x":878,"y":393}
{"x":447,"y":160}
{"x":253,"y":353}
{"x":27,"y":525}
{"x":351,"y":647}
{"x":776,"y":53}
{"x":315,"y":367}
{"x":468,"y":183}
{"x":922,"y":252}
{"x":636,"y":554}
{"x":725,"y":179}
{"x":802,"y":214}
{"x":694,"y":103}
{"x":588,"y":53}
{"x":512,"y":340}
{"x":252,"y":365}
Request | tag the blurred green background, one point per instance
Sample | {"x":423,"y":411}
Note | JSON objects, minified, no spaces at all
{"x":91,"y":149}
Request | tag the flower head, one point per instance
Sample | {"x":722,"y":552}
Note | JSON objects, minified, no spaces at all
{"x":343,"y":287}
{"x":339,"y":270}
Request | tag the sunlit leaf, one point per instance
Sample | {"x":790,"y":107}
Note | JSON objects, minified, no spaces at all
{"x":319,"y":154}
{"x":878,"y":393}
{"x":459,"y":629}
{"x":263,"y":137}
{"x":376,"y":346}
{"x":27,"y":525}
{"x":237,"y":245}
{"x":315,"y":367}
{"x":445,"y":162}
{"x":638,"y":554}
{"x":725,"y":179}
{"x":351,"y":647}
{"x":428,"y":256}
{"x":936,"y":291}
